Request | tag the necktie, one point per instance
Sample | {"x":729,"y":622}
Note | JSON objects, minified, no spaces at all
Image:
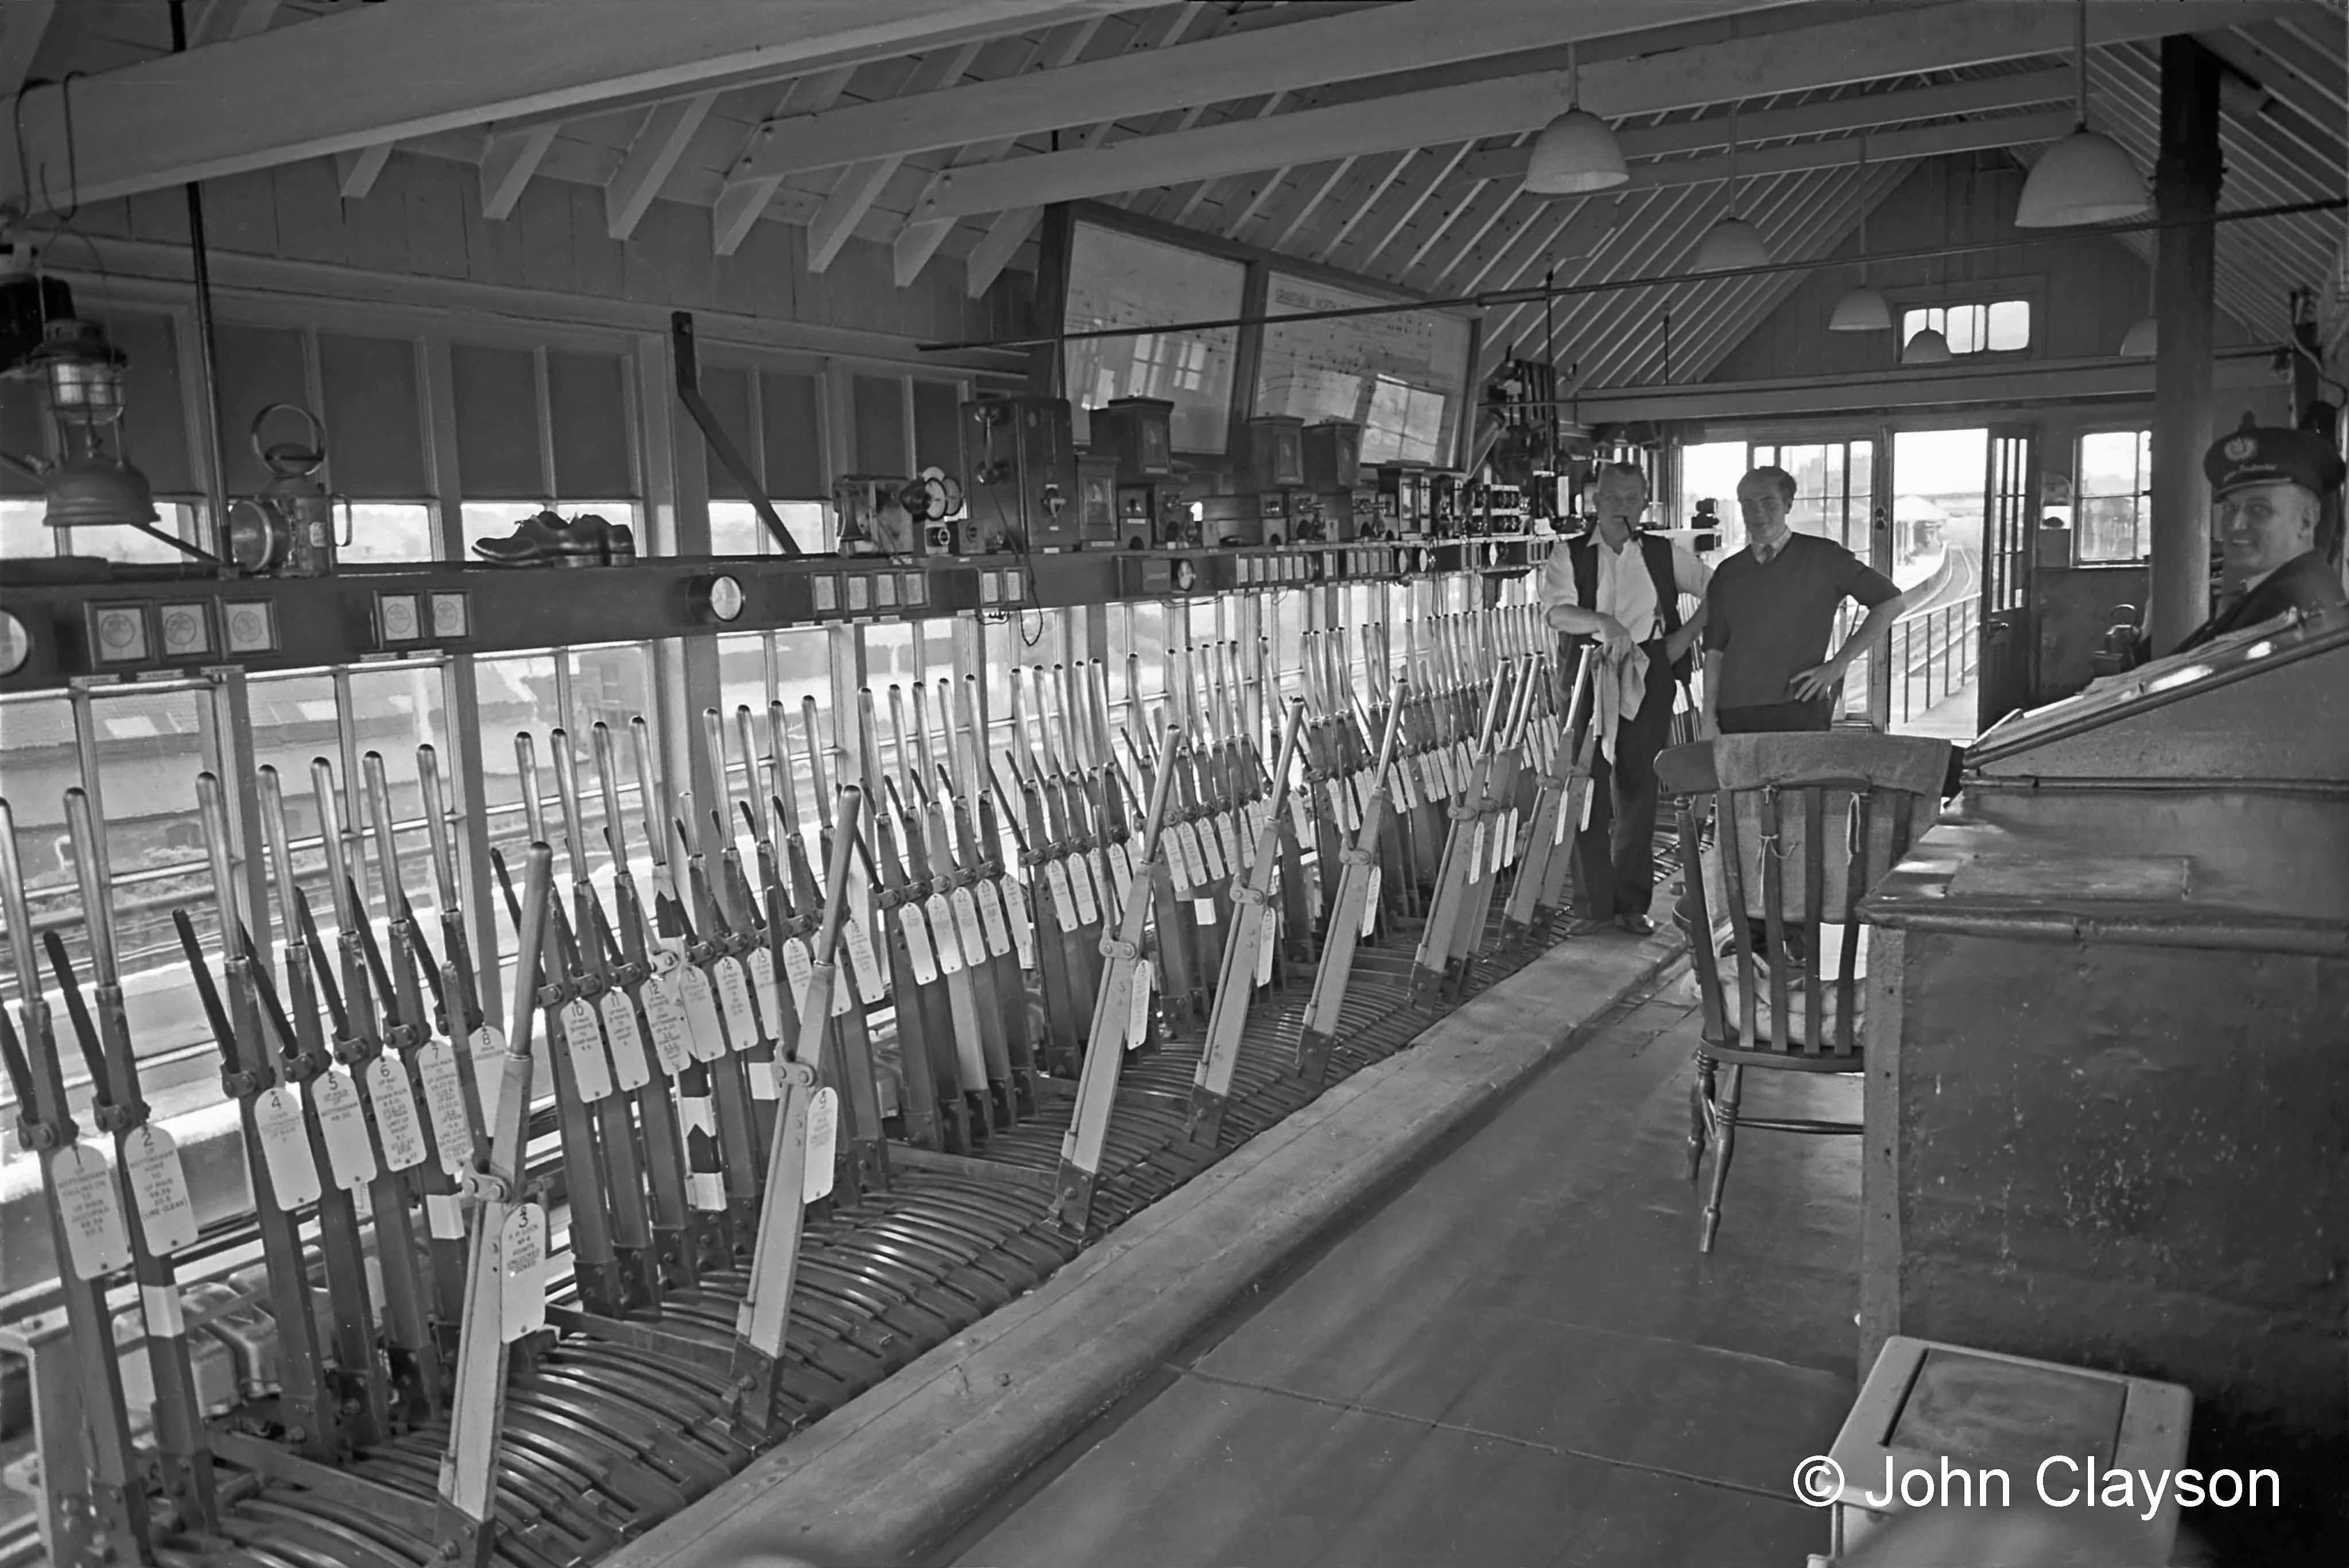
{"x":1763,"y":553}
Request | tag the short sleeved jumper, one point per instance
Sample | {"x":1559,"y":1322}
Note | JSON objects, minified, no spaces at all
{"x":1770,"y":622}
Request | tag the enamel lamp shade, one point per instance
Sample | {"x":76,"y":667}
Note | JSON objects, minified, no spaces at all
{"x":1861,"y":309}
{"x":1728,"y":245}
{"x":1573,"y":154}
{"x":1927,"y":348}
{"x":2083,"y":178}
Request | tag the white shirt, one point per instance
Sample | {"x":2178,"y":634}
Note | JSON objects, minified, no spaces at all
{"x":1624,"y":589}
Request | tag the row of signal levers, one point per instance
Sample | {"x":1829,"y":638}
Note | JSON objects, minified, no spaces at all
{"x":758,"y":1128}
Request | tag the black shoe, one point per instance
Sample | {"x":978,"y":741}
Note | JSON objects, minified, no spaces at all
{"x":550,"y":539}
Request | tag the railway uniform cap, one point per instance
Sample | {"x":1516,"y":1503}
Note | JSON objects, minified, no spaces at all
{"x":2266,"y":454}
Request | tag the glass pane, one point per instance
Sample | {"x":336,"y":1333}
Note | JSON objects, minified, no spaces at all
{"x":802,"y":667}
{"x":1863,"y":495}
{"x":387,"y":532}
{"x":735,"y":528}
{"x":742,"y":670}
{"x":518,"y":694}
{"x":43,"y":764}
{"x":393,"y":710}
{"x":1964,"y":331}
{"x":1808,"y":465}
{"x":891,"y":657}
{"x":23,"y":534}
{"x":1120,"y":280}
{"x":2108,"y":463}
{"x":150,"y":749}
{"x":613,"y":683}
{"x":2010,"y":324}
{"x":490,"y":520}
{"x":29,"y":535}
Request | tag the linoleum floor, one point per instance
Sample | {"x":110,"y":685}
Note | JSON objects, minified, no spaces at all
{"x":1517,"y":1358}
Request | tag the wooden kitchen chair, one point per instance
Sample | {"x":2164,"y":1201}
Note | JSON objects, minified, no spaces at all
{"x":1803,"y":825}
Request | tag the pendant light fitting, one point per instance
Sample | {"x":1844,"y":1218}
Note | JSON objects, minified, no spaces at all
{"x":1576,"y":153}
{"x":2084,"y":178}
{"x":1861,"y":309}
{"x":1732,"y":243}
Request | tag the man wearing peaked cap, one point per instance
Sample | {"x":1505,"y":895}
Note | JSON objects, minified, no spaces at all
{"x":2271,"y":488}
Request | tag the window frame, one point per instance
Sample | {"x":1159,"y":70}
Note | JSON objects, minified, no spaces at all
{"x":2141,"y":527}
{"x":2027,"y":293}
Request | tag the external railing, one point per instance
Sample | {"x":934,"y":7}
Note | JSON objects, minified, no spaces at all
{"x":1934,"y":655}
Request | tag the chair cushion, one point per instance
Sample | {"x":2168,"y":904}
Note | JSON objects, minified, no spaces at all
{"x":1798,"y":1037}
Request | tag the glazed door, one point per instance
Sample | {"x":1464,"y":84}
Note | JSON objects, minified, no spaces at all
{"x":2010,"y":507}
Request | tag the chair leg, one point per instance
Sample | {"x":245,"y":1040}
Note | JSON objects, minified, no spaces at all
{"x":1724,"y":1146}
{"x":1700,"y":1108}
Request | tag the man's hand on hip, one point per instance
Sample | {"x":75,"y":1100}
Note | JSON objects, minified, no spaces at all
{"x":1817,"y":682}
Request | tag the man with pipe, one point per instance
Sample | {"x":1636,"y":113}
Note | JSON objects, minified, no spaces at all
{"x":1620,"y":589}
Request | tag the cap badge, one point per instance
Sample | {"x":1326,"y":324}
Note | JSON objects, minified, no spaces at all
{"x":2241,"y":450}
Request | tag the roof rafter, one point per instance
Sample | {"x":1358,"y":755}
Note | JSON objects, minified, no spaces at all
{"x":742,"y":202}
{"x":1401,"y":203}
{"x":509,"y":160}
{"x":1855,"y":111}
{"x":1009,"y":230}
{"x":1234,"y":65}
{"x":1374,"y":176}
{"x":384,"y":73}
{"x":1311,"y":192}
{"x":667,"y":130}
{"x":860,"y":184}
{"x":917,"y":241}
{"x":1926,"y":39}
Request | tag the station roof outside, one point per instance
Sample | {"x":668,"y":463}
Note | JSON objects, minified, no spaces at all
{"x":1384,"y":137}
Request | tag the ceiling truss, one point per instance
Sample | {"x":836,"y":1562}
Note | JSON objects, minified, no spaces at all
{"x":1380,"y":139}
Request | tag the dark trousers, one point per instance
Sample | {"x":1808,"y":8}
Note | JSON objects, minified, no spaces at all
{"x":1614,"y":856}
{"x":1774,"y":717}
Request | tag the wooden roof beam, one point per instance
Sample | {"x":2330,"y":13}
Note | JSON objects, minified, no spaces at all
{"x":1800,"y":216}
{"x":668,"y":129}
{"x":2043,"y":382}
{"x":508,"y":162}
{"x":1841,"y":215}
{"x":1198,"y":195}
{"x":384,"y":73}
{"x":1172,"y":205}
{"x":1824,"y":117}
{"x":1281,"y":228}
{"x":1239,"y":64}
{"x":1470,"y":219}
{"x":1971,"y":32}
{"x":355,"y":171}
{"x":1374,"y":177}
{"x":861,"y":184}
{"x":1397,"y":207}
{"x":1883,"y":147}
{"x":742,"y":202}
{"x":1009,"y":230}
{"x":917,"y":241}
{"x":1634,"y":231}
{"x":1677,"y":229}
{"x":1569,"y":234}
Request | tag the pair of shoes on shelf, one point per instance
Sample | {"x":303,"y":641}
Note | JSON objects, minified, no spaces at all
{"x":549,"y":538}
{"x":1637,"y":925}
